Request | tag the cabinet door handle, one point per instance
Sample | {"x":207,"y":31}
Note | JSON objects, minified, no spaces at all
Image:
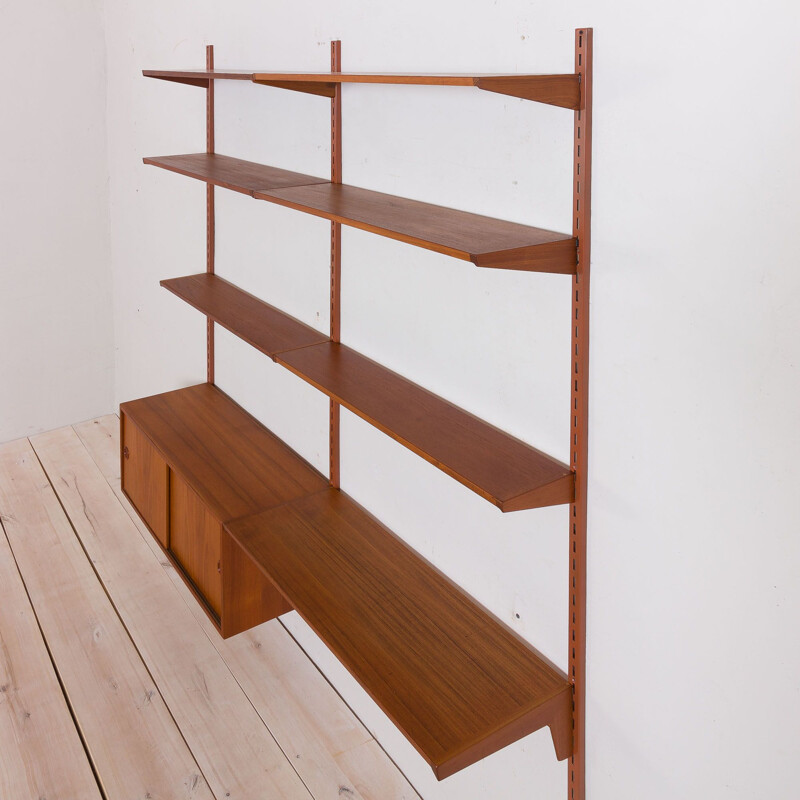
{"x":126,"y":452}
{"x":219,"y":567}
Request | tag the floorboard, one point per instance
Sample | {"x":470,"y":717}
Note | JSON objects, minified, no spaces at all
{"x":42,"y":754}
{"x":133,"y":742}
{"x":330,"y":749}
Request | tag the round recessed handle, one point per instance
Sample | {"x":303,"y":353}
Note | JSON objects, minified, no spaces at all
{"x":126,"y":452}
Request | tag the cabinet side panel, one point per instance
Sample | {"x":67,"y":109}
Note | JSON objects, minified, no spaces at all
{"x":248,"y":598}
{"x":145,"y":479}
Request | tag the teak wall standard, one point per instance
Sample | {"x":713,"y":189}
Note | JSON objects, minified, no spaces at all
{"x":305,"y":540}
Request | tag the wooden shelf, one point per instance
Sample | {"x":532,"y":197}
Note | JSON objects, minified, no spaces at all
{"x":232,"y":173}
{"x":485,"y":241}
{"x":557,"y":90}
{"x":505,"y":471}
{"x":260,"y":325}
{"x":234,"y":464}
{"x":456,"y":682}
{"x":495,"y":465}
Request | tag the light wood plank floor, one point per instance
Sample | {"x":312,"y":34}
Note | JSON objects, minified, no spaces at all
{"x":114,"y":685}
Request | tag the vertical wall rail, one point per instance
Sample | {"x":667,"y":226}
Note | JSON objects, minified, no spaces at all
{"x":581,"y":228}
{"x":210,"y":243}
{"x":336,"y":253}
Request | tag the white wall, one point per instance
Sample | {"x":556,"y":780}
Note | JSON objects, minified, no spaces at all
{"x":693,"y":591}
{"x":56,"y":346}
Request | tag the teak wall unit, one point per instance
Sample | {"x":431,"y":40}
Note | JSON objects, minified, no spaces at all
{"x":256,"y":531}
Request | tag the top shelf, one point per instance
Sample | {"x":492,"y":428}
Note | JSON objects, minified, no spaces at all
{"x":557,"y":90}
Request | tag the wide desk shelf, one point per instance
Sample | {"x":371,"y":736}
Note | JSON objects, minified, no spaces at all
{"x":485,"y":241}
{"x":456,"y":682}
{"x":500,"y":468}
{"x":558,"y":90}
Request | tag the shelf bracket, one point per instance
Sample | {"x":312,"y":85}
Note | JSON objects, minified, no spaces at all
{"x":309,"y":87}
{"x":555,"y":90}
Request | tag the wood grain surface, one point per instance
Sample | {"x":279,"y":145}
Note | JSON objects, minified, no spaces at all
{"x":195,"y":541}
{"x":461,"y":234}
{"x":455,"y":681}
{"x":145,"y":478}
{"x":231,"y":173}
{"x":261,"y":325}
{"x":231,"y":460}
{"x":42,"y":753}
{"x":103,"y":676}
{"x":499,"y":467}
{"x":485,"y":241}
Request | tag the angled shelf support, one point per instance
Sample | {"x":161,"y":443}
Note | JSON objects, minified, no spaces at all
{"x":321,"y":88}
{"x":555,"y":90}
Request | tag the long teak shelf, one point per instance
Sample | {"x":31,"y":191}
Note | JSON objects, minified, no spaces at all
{"x":260,"y":325}
{"x":500,"y":468}
{"x":485,"y":241}
{"x":236,"y":174}
{"x":457,"y":683}
{"x":557,"y":90}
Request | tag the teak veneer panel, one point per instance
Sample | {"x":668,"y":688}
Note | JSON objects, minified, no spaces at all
{"x":231,"y":173}
{"x":195,"y":541}
{"x":500,"y":468}
{"x":259,"y":324}
{"x":234,"y":464}
{"x":485,"y":241}
{"x":145,"y":478}
{"x":456,"y":682}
